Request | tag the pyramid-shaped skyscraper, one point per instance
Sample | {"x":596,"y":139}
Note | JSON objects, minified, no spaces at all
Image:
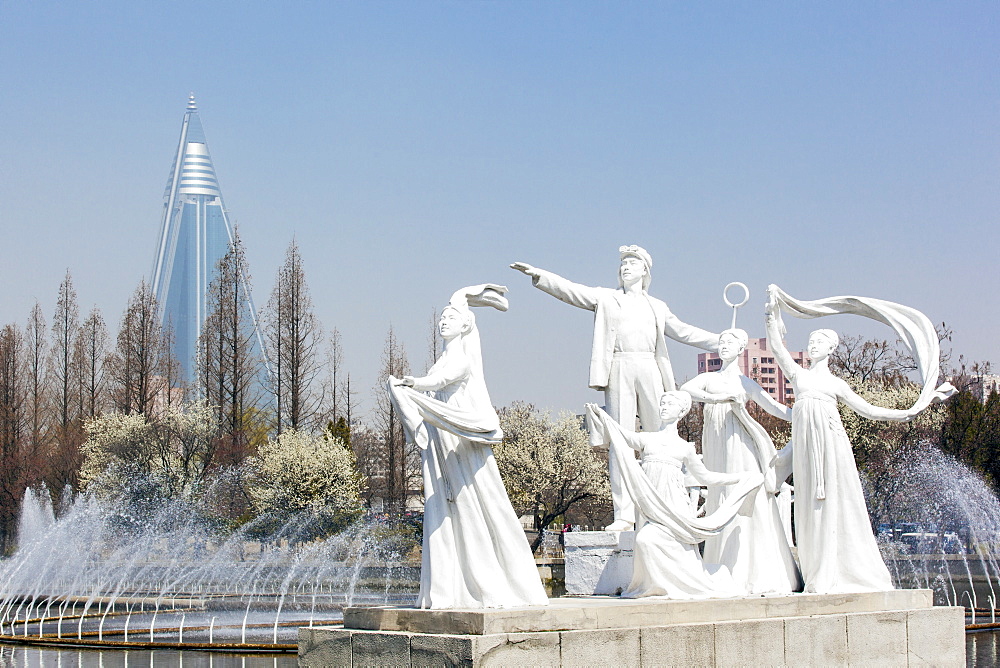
{"x":195,"y":233}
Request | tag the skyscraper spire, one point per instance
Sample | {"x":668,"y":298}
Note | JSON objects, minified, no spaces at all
{"x":195,"y":234}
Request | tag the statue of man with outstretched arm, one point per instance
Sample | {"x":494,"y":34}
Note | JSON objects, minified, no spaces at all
{"x":629,"y":360}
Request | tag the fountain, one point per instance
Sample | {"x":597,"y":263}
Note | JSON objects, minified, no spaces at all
{"x":100,"y":576}
{"x":938,"y":524}
{"x":36,"y":516}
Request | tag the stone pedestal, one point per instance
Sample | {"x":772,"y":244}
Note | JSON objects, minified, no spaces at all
{"x":894,"y":628}
{"x":598,"y":562}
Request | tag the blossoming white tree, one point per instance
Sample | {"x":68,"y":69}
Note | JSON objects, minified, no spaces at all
{"x":306,"y":475}
{"x":548,"y":465}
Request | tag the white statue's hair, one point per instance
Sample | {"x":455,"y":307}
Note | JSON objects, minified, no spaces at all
{"x":740,"y":334}
{"x":830,"y":335}
{"x":647,"y":260}
{"x":464,"y":312}
{"x":683,"y":396}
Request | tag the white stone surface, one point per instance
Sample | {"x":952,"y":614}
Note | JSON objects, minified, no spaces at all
{"x":837,"y":550}
{"x":754,"y":548}
{"x":629,"y":361}
{"x":796,"y":630}
{"x":666,"y":559}
{"x":593,"y":612}
{"x":525,"y":649}
{"x":598,"y":562}
{"x":879,"y":640}
{"x":474,"y":550}
{"x":754,"y":642}
{"x":605,"y":647}
{"x":826,"y":644}
{"x":931,"y":640}
{"x":680,"y":645}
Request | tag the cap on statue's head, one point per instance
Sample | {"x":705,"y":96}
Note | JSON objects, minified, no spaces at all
{"x":642,"y":254}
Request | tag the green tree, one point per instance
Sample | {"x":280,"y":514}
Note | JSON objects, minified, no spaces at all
{"x":971,"y":432}
{"x":339,"y":429}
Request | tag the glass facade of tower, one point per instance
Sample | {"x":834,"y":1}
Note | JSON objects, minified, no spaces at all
{"x":194,"y":234}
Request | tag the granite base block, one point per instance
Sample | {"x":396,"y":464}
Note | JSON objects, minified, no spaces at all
{"x":797,"y":630}
{"x":598,"y":562}
{"x":574,"y":613}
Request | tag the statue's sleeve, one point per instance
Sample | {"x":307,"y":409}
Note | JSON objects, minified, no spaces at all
{"x":689,"y":334}
{"x":697,"y":470}
{"x":574,"y":294}
{"x":442,"y":375}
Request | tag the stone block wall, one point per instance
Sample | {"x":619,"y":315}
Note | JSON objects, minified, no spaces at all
{"x":922,"y":637}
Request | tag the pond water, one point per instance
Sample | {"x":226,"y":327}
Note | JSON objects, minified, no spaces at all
{"x":35,"y":657}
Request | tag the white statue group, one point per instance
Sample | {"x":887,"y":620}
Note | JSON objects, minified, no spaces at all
{"x":475,"y":554}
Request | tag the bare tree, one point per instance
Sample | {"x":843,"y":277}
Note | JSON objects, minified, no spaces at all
{"x":369,"y":458}
{"x":137,"y":364}
{"x":335,"y":378}
{"x":229,"y":363}
{"x":340,"y":400}
{"x":63,"y":456}
{"x":350,"y":403}
{"x":36,"y":348}
{"x":170,"y":379}
{"x":398,"y":469}
{"x":65,"y":324}
{"x":862,"y":361}
{"x":293,"y":337}
{"x":15,"y":465}
{"x":89,"y":355}
{"x":433,"y":340}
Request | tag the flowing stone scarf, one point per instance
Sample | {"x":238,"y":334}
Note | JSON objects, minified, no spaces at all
{"x":912,"y":326}
{"x":679,"y":522}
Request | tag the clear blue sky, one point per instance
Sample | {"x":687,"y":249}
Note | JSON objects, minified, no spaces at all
{"x":415,"y":147}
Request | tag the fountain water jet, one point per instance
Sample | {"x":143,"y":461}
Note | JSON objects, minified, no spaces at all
{"x":100,"y":567}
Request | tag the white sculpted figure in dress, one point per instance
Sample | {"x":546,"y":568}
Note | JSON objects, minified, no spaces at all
{"x":754,"y":548}
{"x":475,"y":554}
{"x":666,"y":558}
{"x":629,"y":360}
{"x":836,"y":546}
